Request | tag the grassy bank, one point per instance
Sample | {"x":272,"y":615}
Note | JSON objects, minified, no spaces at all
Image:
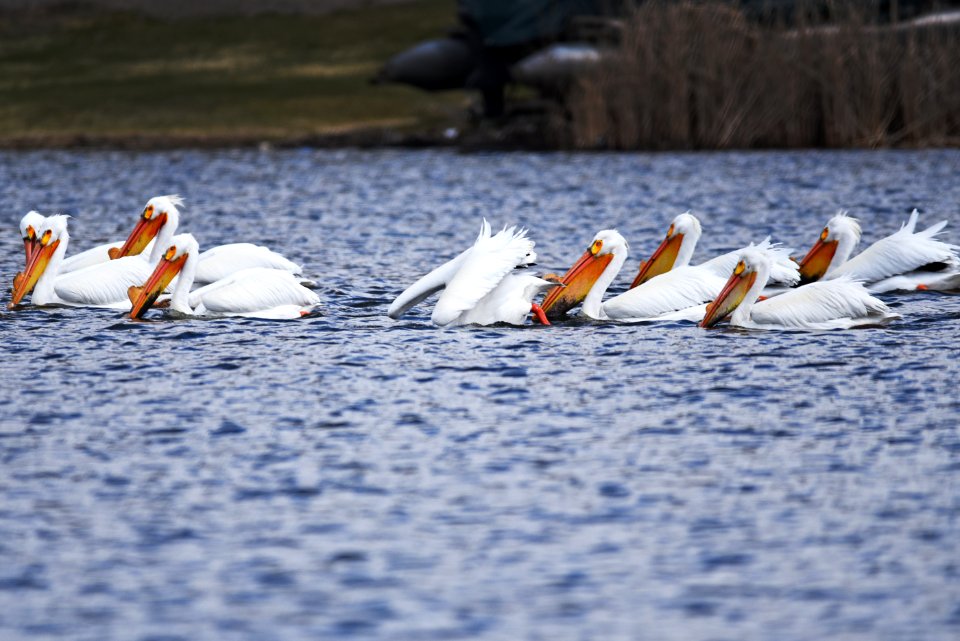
{"x":95,"y":76}
{"x":700,"y":75}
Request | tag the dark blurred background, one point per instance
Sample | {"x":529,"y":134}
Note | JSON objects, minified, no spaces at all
{"x":607,"y":74}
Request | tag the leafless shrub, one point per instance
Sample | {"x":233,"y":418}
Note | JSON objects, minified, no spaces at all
{"x":700,"y":75}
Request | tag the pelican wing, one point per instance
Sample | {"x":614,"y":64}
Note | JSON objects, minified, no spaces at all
{"x":257,"y":289}
{"x":899,"y":253}
{"x":103,"y":284}
{"x":87,"y":258}
{"x":427,"y":285}
{"x":220,"y":262}
{"x":839,"y":300}
{"x":784,"y":270}
{"x":669,"y":292}
{"x":508,"y":302}
{"x":490,"y":259}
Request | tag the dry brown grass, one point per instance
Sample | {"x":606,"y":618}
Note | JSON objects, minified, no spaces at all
{"x":701,"y":76}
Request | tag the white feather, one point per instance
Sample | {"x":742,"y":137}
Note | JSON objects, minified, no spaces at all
{"x":219,"y":262}
{"x":508,"y":302}
{"x":489,"y":261}
{"x":688,"y":288}
{"x":103,"y":284}
{"x":899,"y":254}
{"x":831,"y":304}
{"x":257,"y":291}
{"x":836,"y":303}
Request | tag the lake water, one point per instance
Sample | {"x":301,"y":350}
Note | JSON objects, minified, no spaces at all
{"x":349,"y":476}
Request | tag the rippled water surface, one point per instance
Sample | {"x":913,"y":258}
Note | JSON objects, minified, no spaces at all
{"x":351,"y":476}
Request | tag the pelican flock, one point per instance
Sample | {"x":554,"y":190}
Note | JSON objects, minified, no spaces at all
{"x":240,"y":279}
{"x":758,"y":286}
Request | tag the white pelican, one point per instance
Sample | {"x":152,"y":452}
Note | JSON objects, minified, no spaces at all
{"x":677,"y":294}
{"x":676,"y":250}
{"x":480,"y":285}
{"x":905,"y":260}
{"x":829,"y":304}
{"x":29,"y":224}
{"x":159,"y":221}
{"x":101,"y":285}
{"x":255,"y":292}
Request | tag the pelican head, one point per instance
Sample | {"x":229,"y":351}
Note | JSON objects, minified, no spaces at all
{"x":754,"y":264}
{"x":29,"y":226}
{"x":581,"y":277}
{"x":173,"y":260}
{"x":675,"y":250}
{"x":159,"y":211}
{"x":837,"y":241}
{"x":50,"y":234}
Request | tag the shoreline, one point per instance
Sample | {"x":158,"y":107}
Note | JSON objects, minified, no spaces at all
{"x":369,"y":138}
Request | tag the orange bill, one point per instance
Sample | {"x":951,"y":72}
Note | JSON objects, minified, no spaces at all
{"x":732,"y":295}
{"x":30,"y":245}
{"x":661,"y":261}
{"x":142,"y":298}
{"x":814,"y":265}
{"x":146,"y":230}
{"x":576,"y":284}
{"x":23,"y":283}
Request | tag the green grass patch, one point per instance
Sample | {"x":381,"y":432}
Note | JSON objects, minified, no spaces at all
{"x":272,"y":76}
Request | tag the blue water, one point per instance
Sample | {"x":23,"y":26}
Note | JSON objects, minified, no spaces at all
{"x":348,"y":476}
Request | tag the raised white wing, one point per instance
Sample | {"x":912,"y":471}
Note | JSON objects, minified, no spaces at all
{"x":219,"y":262}
{"x":842,"y":301}
{"x":103,"y":284}
{"x":899,"y":253}
{"x":427,"y":285}
{"x":254,"y":290}
{"x":672,"y":291}
{"x":490,"y":259}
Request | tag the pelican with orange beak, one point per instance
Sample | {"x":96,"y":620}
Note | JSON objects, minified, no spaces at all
{"x":906,"y":260}
{"x":29,"y":224}
{"x":830,"y":304}
{"x":256,"y":292}
{"x":102,"y":285}
{"x":159,"y":222}
{"x":678,"y":294}
{"x":676,"y":250}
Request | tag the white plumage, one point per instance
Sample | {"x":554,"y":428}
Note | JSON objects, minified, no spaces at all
{"x":258,"y":292}
{"x":92,"y":256}
{"x":215,"y":263}
{"x":480,"y":285}
{"x":219,"y":262}
{"x":99,"y":285}
{"x":831,"y":304}
{"x":900,"y":261}
{"x":675,"y":294}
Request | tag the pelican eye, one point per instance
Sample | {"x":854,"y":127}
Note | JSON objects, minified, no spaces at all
{"x":824,"y":233}
{"x":45,"y":239}
{"x":31,"y":233}
{"x":170,"y":253}
{"x":670,"y":231}
{"x":596,"y":247}
{"x":739,"y":268}
{"x":148,"y":212}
